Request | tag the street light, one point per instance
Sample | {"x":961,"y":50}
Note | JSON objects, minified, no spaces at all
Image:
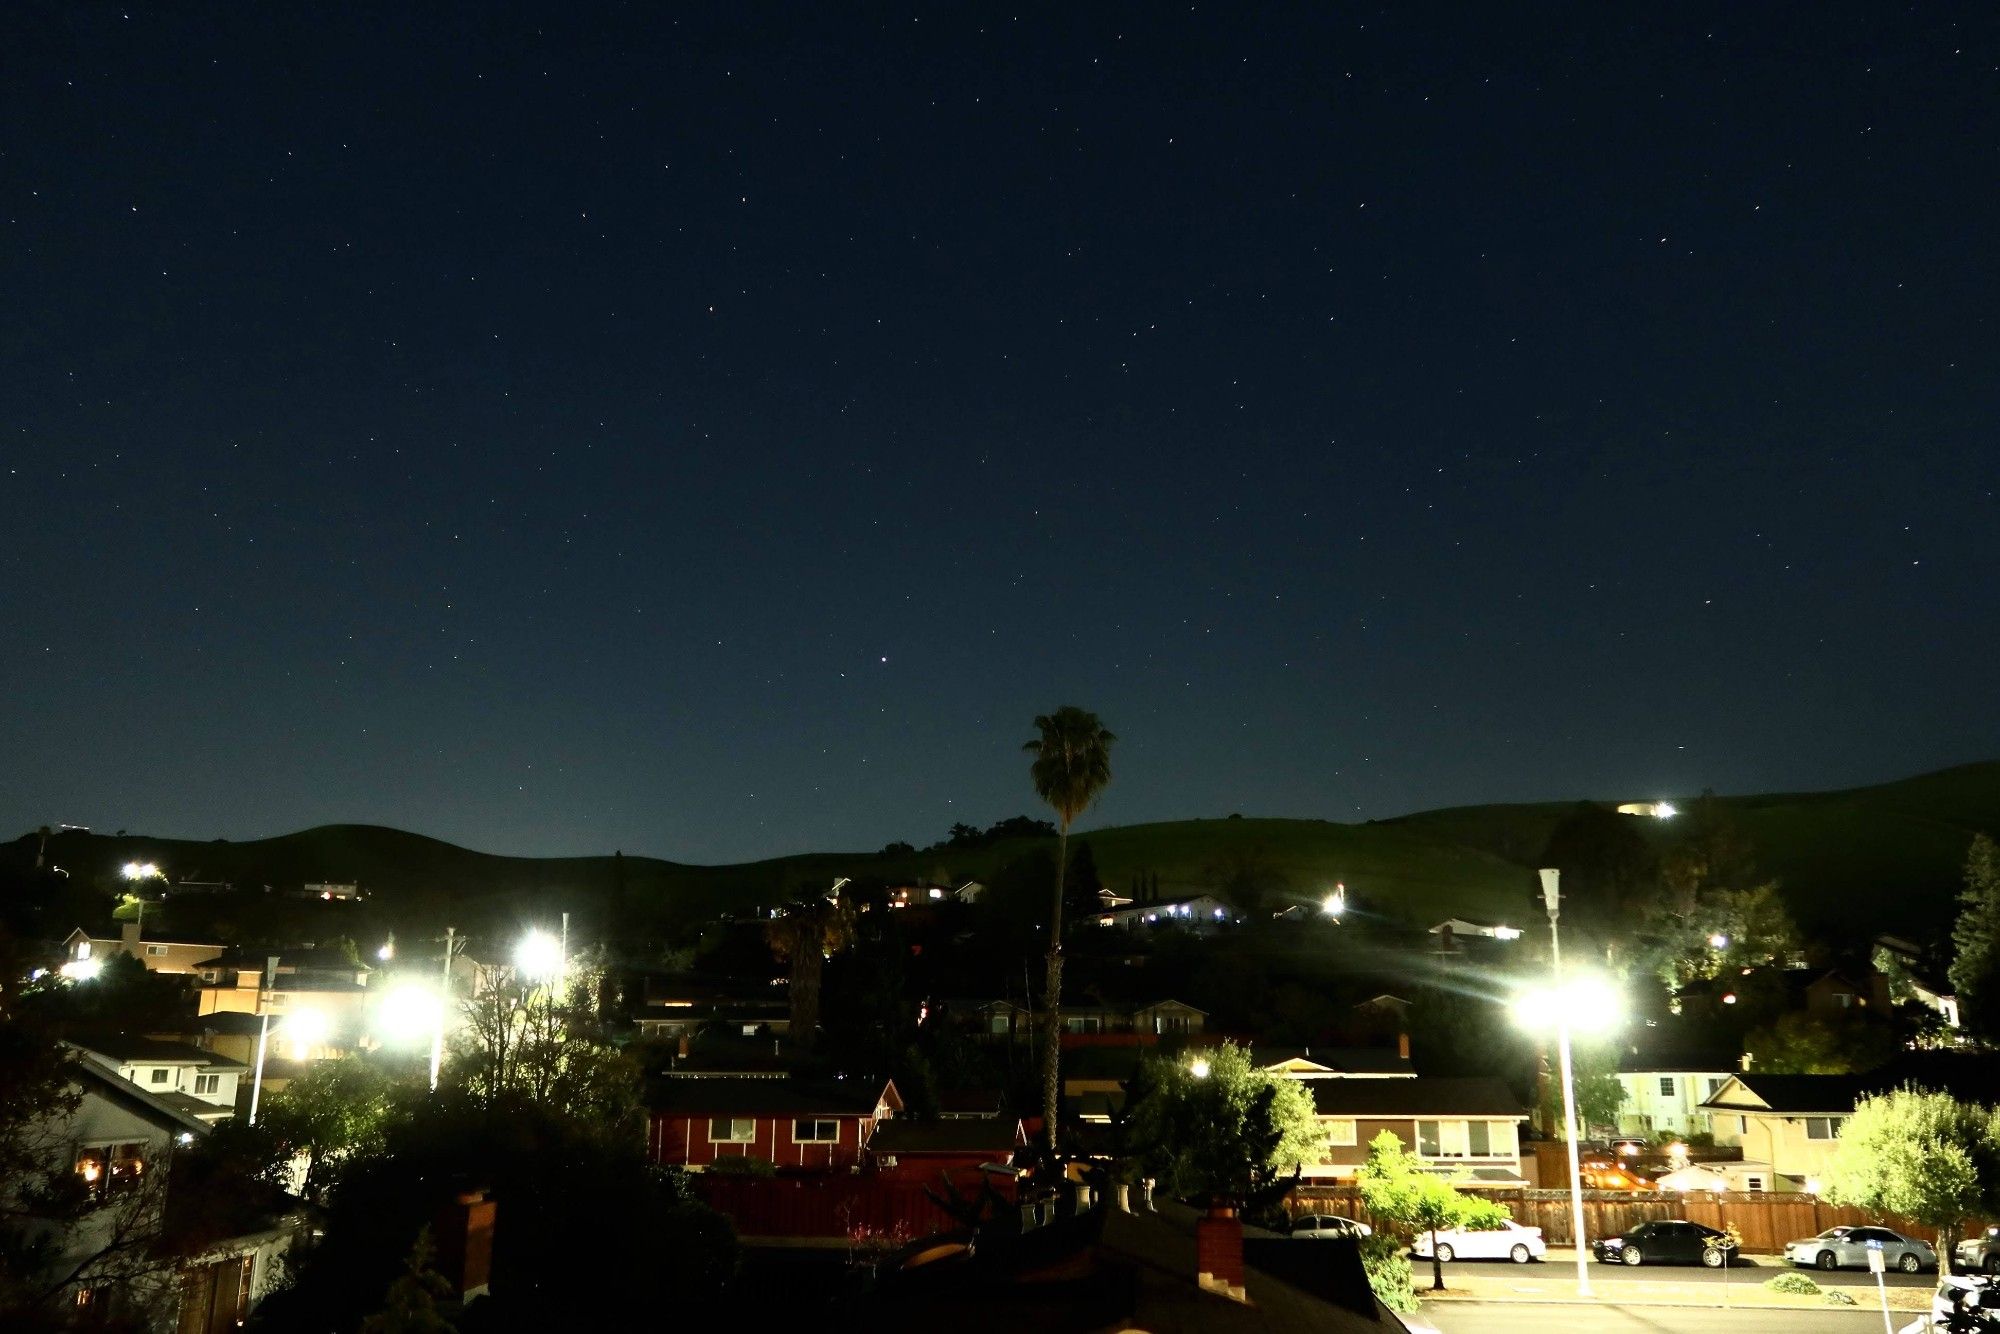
{"x":1199,"y":1069}
{"x":141,"y":871}
{"x":539,"y":956}
{"x":411,"y":1011}
{"x":305,"y":1029}
{"x":1586,"y":1003}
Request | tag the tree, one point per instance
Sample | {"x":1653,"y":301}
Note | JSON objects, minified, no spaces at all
{"x":1395,"y":1186}
{"x":1924,"y":1155}
{"x":542,"y":1045}
{"x":1975,"y":971}
{"x":803,"y":935}
{"x":411,"y":1304}
{"x":334,"y":1110}
{"x":1799,"y":1043}
{"x":1599,"y":1094}
{"x":1072,"y":766}
{"x":1215,"y":1127}
{"x":1609,"y":872}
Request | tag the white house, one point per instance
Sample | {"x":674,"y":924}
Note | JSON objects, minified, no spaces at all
{"x":1664,"y":1094}
{"x":200,"y":1083}
{"x":1201,"y":911}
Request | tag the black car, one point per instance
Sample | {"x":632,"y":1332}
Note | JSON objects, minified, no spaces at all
{"x":1668,"y":1242}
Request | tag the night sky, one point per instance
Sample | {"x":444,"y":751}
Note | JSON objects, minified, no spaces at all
{"x":716,"y":433}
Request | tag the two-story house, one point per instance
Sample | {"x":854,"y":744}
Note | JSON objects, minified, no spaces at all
{"x":1197,"y":912}
{"x":200,"y":1083}
{"x":323,"y":991}
{"x":160,"y":951}
{"x":143,"y":1248}
{"x":1664,"y":1093}
{"x":793,"y":1124}
{"x":1791,"y":1122}
{"x":1454,"y":1125}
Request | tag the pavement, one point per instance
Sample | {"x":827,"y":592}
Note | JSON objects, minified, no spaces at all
{"x":1751,"y":1269}
{"x":1611,"y":1318}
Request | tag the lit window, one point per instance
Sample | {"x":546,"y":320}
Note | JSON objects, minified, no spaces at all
{"x":815,"y":1132}
{"x":731,"y":1130}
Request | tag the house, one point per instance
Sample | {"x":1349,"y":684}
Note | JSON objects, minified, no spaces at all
{"x":321,"y":993}
{"x":330,"y":891}
{"x":1664,"y":1092}
{"x":197,"y":1082}
{"x":679,"y":1007}
{"x":1338,"y":1062}
{"x":199,"y":1263}
{"x":1085,"y":1018}
{"x":1453,"y":930}
{"x":1199,"y":912}
{"x":960,"y":1151}
{"x":160,"y":951}
{"x":1789,"y":1121}
{"x":1453,"y":1125}
{"x":794,"y":1124}
{"x":1915,"y":980}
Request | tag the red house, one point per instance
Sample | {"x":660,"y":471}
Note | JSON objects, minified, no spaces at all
{"x":793,"y":1124}
{"x":959,"y":1150}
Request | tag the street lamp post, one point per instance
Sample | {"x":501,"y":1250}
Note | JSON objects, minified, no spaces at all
{"x":1552,"y":900}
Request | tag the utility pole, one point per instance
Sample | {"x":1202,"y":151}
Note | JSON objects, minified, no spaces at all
{"x":1552,"y":900}
{"x":444,"y":1004}
{"x":265,"y":981}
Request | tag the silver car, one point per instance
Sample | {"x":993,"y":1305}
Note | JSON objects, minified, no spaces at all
{"x":1848,"y":1247}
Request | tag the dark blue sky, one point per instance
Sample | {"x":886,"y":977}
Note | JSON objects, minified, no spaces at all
{"x":717,"y":434}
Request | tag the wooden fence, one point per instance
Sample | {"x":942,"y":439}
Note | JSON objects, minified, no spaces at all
{"x":1767,"y":1220}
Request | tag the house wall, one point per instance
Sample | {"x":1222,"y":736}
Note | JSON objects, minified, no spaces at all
{"x":1783,"y":1142}
{"x":1342,"y":1160}
{"x":174,"y":956}
{"x":681,"y":1140}
{"x":181,"y":1078}
{"x":1647,"y":1111}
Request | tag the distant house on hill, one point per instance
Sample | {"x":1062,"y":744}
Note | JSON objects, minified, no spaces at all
{"x":323,"y":991}
{"x":791,"y":1123}
{"x":1337,"y":1062}
{"x":1454,"y":929}
{"x":1198,"y":912}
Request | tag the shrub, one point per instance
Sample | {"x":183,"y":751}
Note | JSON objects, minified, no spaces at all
{"x":1387,"y":1265}
{"x":1796,"y":1284}
{"x":743,"y":1165}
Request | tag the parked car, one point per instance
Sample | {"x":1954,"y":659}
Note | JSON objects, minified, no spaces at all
{"x":1673,"y":1241}
{"x":1328,"y":1225}
{"x":1848,"y":1247}
{"x":1980,"y":1254}
{"x":1512,"y":1242}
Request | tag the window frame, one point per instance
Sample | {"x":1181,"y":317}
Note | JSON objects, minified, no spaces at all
{"x":156,"y":951}
{"x":158,"y":1075}
{"x":1335,"y":1134}
{"x":733,"y":1122}
{"x":1667,"y":1086}
{"x":816,"y":1122}
{"x":208,"y":1083}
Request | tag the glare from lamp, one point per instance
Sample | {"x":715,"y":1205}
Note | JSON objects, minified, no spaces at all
{"x":411,"y":1011}
{"x":539,"y":956}
{"x":1729,"y":998}
{"x":1718,"y":941}
{"x":82,"y":970}
{"x":304,"y":1029}
{"x":1199,"y":1068}
{"x":1664,"y":810}
{"x":1588,"y":1003}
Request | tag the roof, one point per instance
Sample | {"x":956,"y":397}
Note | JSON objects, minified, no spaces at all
{"x":147,"y":935}
{"x":108,"y":1084}
{"x":318,"y":958}
{"x":1426,"y":1095}
{"x":1972,"y":1078}
{"x":1789,"y":1093}
{"x":994,"y":1137}
{"x":1344,"y":1060}
{"x":985,"y":1102}
{"x":725,"y":1096}
{"x":126,"y":1049}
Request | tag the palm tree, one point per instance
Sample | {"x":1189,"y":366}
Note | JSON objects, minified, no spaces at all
{"x":1072,"y":765}
{"x":806,"y":934}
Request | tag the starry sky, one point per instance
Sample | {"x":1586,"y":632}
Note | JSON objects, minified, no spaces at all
{"x":717,"y":431}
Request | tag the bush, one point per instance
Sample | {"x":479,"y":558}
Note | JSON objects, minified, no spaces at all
{"x":1796,"y":1284}
{"x":1387,"y":1265}
{"x":743,"y":1165}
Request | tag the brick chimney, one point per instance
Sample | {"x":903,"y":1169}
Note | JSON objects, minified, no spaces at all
{"x":1218,"y":1252}
{"x":1403,"y":1046}
{"x":464,"y":1231}
{"x":128,"y":940}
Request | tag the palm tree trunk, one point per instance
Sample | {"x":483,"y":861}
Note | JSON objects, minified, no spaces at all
{"x":1052,"y":1000}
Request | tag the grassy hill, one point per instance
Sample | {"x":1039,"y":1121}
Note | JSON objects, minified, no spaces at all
{"x":1852,"y":862}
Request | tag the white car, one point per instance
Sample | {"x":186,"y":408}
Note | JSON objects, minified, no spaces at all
{"x":1512,"y":1242}
{"x":1328,"y":1225}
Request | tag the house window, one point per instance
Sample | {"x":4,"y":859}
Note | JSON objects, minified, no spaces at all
{"x":207,"y":1083}
{"x":159,"y":1075}
{"x":1429,"y":1144}
{"x":815,"y":1132}
{"x":156,"y":951}
{"x":1753,"y":1183}
{"x":1083,"y":1023}
{"x":1823,"y":1127}
{"x":1666,"y":1086}
{"x":1715,"y":1086}
{"x":1339,"y":1131}
{"x":750,"y":1030}
{"x":731,"y":1130}
{"x":1479,"y":1142}
{"x":111,"y":1167}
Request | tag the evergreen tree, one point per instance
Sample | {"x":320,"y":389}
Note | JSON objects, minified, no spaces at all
{"x":1975,"y":972}
{"x":411,"y":1304}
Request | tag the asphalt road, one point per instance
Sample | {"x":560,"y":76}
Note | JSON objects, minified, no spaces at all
{"x":1532,"y":1318}
{"x":1754,"y":1269}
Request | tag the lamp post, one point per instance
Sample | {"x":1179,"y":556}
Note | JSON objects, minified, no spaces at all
{"x":1552,"y":900}
{"x":265,"y":982}
{"x":444,"y":1003}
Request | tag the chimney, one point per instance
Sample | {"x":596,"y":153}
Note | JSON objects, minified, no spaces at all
{"x":128,"y":937}
{"x":1403,"y":1046}
{"x":464,"y":1231}
{"x":1218,"y":1248}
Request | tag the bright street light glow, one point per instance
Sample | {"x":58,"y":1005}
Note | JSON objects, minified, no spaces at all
{"x":1588,"y":1004}
{"x":1718,"y":941}
{"x":82,"y":970}
{"x":411,"y":1011}
{"x":1199,"y":1069}
{"x":539,"y":956}
{"x":141,"y":870}
{"x":304,"y":1029}
{"x":1334,"y":904}
{"x":1664,"y":810}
